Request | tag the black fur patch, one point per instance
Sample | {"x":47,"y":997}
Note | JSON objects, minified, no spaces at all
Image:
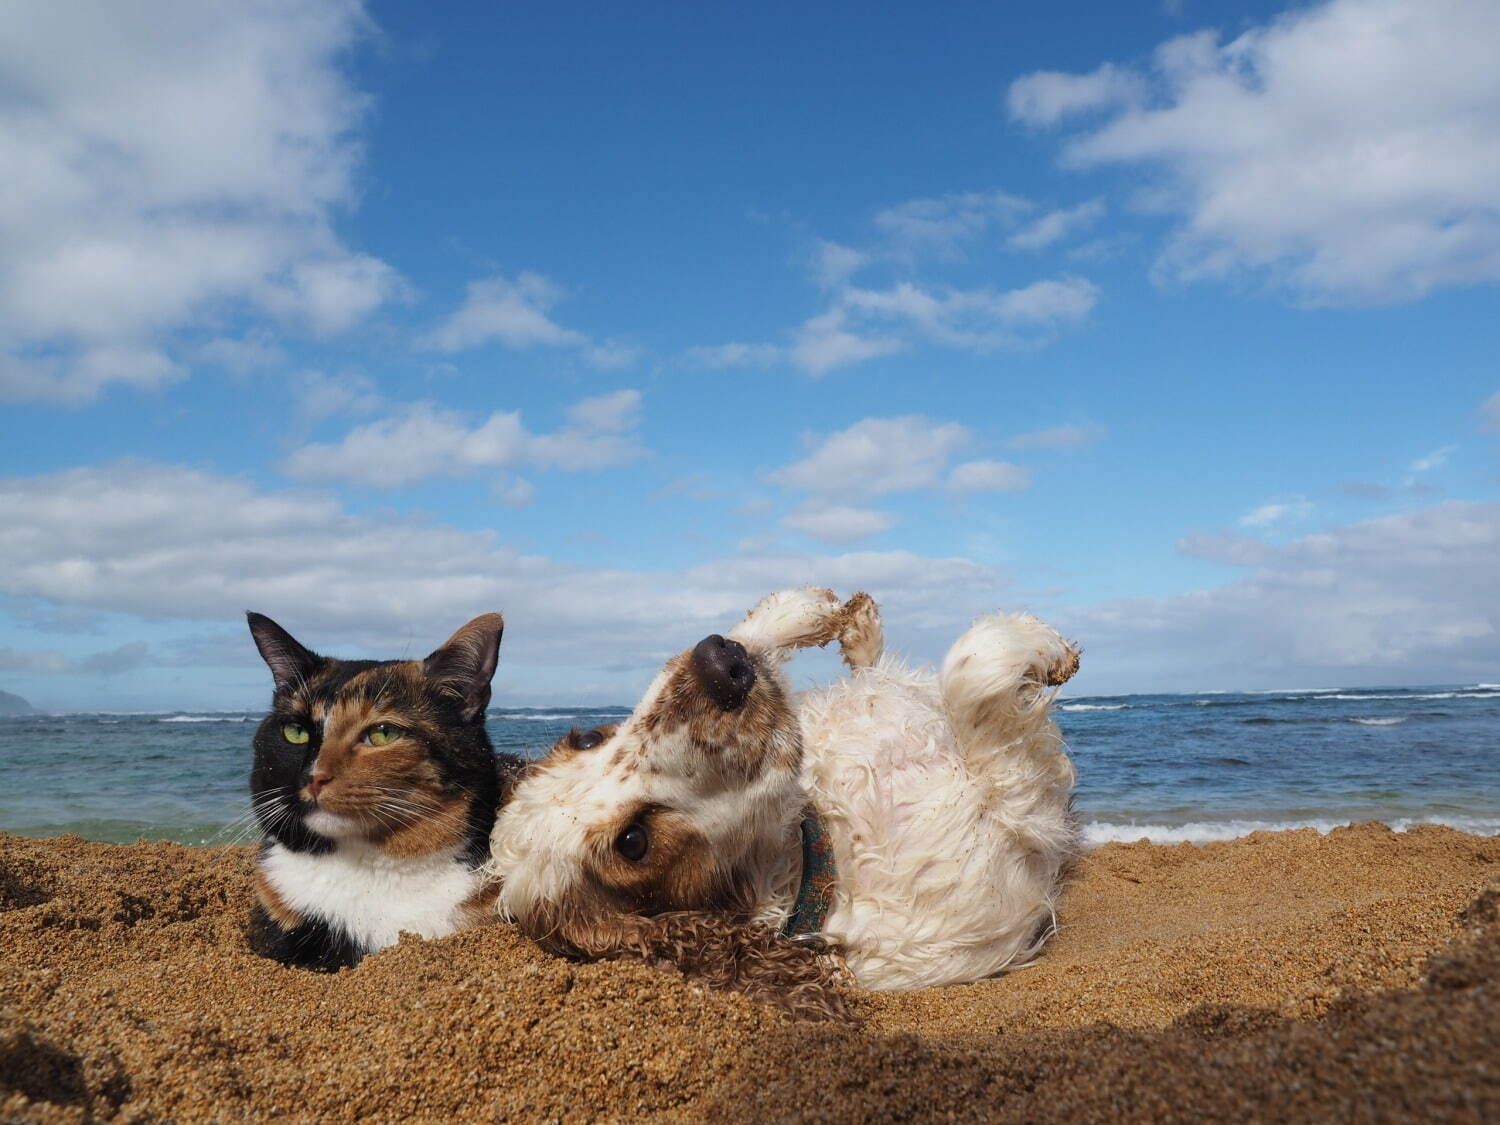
{"x":313,"y":945}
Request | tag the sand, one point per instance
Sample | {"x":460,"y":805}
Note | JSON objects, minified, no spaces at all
{"x":1285,"y":976}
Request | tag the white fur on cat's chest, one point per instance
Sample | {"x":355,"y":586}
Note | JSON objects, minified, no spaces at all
{"x":370,"y":896}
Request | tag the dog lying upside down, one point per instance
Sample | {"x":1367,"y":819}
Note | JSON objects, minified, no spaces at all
{"x":916,"y":824}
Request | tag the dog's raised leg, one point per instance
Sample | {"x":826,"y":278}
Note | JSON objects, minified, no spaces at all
{"x":996,"y":682}
{"x":789,"y":620}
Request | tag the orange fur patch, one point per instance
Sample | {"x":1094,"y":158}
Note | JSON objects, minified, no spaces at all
{"x":283,"y":915}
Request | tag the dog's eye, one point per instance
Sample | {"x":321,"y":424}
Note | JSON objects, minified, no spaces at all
{"x":633,"y":843}
{"x":586,"y":740}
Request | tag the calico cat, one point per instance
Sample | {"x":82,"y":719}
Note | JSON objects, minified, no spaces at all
{"x":376,"y":787}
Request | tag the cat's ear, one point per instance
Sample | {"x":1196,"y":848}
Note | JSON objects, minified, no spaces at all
{"x":466,"y":663}
{"x":290,"y":663}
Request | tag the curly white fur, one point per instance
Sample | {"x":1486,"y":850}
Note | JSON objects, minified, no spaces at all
{"x":946,"y":796}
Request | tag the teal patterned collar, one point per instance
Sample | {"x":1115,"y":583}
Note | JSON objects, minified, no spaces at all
{"x":819,"y":874}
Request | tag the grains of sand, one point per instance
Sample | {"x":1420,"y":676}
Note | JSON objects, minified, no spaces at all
{"x":1290,"y":976}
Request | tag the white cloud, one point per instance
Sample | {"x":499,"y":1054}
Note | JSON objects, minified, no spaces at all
{"x":1268,"y":515}
{"x":424,"y":441}
{"x":727,"y":356}
{"x":876,"y":456}
{"x":187,"y":158}
{"x":1434,"y":460}
{"x":1048,"y":96}
{"x":167,"y":542}
{"x":516,"y":494}
{"x":518,"y":314}
{"x":256,"y":351}
{"x":1489,"y":413}
{"x":867,"y":323}
{"x":835,"y":523}
{"x":1349,"y":150}
{"x":124,"y":658}
{"x":1411,"y":598}
{"x":1058,"y":437}
{"x":834,"y":264}
{"x":941,"y":225}
{"x":321,"y":396}
{"x":1223,"y":547}
{"x":988,"y":476}
{"x":825,"y":342}
{"x":1056,"y":225}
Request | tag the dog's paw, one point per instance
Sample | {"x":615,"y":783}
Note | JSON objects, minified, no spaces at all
{"x":861,"y":636}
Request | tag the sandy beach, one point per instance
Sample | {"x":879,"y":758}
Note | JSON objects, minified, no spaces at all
{"x":1291,"y":976}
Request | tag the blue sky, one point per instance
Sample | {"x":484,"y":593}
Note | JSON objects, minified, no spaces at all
{"x":1172,"y":323}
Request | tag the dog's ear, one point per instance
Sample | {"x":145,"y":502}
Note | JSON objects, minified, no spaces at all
{"x":715,"y":949}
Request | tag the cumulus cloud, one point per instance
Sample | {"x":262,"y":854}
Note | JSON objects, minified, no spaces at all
{"x":1058,"y":437}
{"x":940,"y":226}
{"x":875,"y":456}
{"x":424,"y":441}
{"x":1048,"y":96}
{"x":321,"y":395}
{"x":188,"y":157}
{"x":1410,"y":598}
{"x":1268,"y":515}
{"x":517,"y":313}
{"x":837,"y":523}
{"x":834,"y":263}
{"x":123,"y":658}
{"x":867,"y":323}
{"x":988,"y":476}
{"x":826,"y":341}
{"x":166,"y":542}
{"x":858,"y":323}
{"x":1349,"y":151}
{"x":723,"y":357}
{"x":1489,"y":413}
{"x":1434,"y":460}
{"x":1055,"y":226}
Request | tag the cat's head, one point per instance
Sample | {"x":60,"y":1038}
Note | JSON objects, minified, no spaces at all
{"x":391,"y":752}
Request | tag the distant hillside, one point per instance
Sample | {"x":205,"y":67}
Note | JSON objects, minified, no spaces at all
{"x":14,"y":705}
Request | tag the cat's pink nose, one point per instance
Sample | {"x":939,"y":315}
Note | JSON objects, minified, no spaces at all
{"x":315,"y":786}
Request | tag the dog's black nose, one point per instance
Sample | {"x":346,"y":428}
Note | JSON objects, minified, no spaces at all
{"x":724,"y":670}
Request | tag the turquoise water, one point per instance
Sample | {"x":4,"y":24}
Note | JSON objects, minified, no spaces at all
{"x":1166,"y":767}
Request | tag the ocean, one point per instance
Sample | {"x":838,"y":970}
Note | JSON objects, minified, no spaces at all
{"x":1167,"y":768}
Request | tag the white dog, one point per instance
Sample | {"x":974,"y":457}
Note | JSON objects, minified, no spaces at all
{"x":917,"y":824}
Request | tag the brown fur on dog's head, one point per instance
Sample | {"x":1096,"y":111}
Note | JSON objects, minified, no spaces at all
{"x":667,"y":836}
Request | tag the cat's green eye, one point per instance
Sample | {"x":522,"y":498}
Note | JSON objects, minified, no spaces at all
{"x":295,"y":733}
{"x":382,"y":733}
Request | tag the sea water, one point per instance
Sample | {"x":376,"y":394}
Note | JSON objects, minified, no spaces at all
{"x":1167,"y":768}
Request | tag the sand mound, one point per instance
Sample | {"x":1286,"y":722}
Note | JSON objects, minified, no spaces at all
{"x":1285,"y":975}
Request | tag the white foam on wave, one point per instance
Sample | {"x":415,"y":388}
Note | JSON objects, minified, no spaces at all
{"x":538,"y":718}
{"x":1286,"y":691}
{"x":205,"y":719}
{"x":1094,"y":707}
{"x":1396,"y":722}
{"x":1208,"y":831}
{"x":1466,"y":694}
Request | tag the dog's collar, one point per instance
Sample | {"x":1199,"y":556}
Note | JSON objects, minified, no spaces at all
{"x":819,"y":873}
